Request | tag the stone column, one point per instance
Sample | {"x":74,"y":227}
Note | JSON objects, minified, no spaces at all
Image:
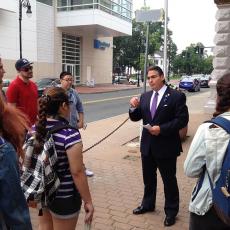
{"x":221,"y":61}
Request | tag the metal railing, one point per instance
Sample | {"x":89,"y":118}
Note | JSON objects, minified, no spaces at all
{"x":123,"y":10}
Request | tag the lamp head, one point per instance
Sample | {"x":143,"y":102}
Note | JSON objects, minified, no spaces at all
{"x":28,"y":11}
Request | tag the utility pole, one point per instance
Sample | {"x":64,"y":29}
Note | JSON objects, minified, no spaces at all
{"x":165,"y":39}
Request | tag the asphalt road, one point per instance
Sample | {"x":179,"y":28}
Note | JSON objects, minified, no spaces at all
{"x":104,"y":105}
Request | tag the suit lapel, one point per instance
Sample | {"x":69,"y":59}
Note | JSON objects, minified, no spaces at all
{"x":148,"y":99}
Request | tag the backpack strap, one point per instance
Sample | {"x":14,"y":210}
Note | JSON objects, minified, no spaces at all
{"x":55,"y":129}
{"x":222,"y":122}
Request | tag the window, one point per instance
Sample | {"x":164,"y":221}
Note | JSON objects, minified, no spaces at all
{"x":47,"y":2}
{"x":118,"y":8}
{"x":71,"y":51}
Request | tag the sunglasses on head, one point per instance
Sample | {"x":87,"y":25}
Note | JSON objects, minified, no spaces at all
{"x":26,"y":69}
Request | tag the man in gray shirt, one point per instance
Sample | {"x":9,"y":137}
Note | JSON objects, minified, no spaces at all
{"x":76,"y":108}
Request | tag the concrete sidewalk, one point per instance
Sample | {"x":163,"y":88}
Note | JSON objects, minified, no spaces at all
{"x":101,"y":88}
{"x":117,"y":186}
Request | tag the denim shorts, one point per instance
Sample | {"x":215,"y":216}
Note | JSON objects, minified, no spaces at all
{"x":65,"y":208}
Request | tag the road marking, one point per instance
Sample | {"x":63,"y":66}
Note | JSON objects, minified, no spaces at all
{"x":109,"y":99}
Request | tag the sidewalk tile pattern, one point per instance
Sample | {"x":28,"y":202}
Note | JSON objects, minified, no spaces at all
{"x":117,"y":185}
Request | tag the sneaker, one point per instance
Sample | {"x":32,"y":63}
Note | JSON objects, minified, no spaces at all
{"x":88,"y":173}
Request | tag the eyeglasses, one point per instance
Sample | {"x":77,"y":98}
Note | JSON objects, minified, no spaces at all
{"x":26,"y":69}
{"x":70,"y":80}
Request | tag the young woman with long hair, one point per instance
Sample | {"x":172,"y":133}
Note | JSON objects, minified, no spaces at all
{"x":63,"y":212}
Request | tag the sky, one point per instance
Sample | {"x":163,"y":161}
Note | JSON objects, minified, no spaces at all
{"x":191,"y":21}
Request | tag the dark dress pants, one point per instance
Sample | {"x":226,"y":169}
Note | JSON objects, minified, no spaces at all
{"x":167,"y":168}
{"x":209,"y":221}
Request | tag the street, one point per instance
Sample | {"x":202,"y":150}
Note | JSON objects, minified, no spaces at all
{"x":104,"y":105}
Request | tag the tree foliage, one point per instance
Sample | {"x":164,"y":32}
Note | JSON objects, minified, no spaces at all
{"x":192,"y":60}
{"x":129,"y":50}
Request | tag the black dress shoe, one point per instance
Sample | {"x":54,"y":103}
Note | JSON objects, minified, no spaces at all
{"x":141,"y":210}
{"x":169,"y":221}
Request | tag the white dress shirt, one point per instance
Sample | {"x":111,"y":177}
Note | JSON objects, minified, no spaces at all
{"x":160,"y":95}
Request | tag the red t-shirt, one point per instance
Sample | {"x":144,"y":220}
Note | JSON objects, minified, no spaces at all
{"x":24,"y":96}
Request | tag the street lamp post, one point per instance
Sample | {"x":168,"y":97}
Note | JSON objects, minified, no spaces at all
{"x":25,"y":4}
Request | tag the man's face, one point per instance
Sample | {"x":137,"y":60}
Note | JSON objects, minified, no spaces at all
{"x":66,"y":82}
{"x":26,"y":72}
{"x":155,"y":80}
{"x":2,"y":71}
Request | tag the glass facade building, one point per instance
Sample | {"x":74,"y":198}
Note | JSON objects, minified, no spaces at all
{"x":118,"y":8}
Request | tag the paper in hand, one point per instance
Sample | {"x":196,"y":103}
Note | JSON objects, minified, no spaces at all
{"x":147,"y":126}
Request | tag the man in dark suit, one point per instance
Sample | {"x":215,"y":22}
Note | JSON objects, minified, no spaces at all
{"x":165,"y":110}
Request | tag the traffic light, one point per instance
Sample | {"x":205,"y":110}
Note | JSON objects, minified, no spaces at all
{"x":199,"y":50}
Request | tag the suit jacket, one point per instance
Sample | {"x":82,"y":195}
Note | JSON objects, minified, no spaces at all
{"x":171,"y":115}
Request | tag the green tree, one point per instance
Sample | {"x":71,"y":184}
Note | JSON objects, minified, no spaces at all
{"x":128,"y":50}
{"x":192,"y":60}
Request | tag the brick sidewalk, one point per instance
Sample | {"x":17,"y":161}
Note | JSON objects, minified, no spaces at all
{"x":117,"y":186}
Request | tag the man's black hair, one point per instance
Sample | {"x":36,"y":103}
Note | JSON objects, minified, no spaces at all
{"x":156,"y":68}
{"x":64,"y":73}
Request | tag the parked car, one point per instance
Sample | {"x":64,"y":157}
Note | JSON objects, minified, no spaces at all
{"x":132,"y":81}
{"x":5,"y":84}
{"x":190,"y":83}
{"x":204,"y":81}
{"x":45,"y":83}
{"x":122,"y":79}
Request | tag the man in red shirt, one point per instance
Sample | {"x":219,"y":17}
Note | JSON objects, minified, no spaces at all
{"x":22,"y":92}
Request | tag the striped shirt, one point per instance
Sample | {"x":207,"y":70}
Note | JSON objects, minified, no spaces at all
{"x":64,"y":139}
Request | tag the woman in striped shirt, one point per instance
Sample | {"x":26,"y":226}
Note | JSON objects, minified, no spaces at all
{"x":63,"y":212}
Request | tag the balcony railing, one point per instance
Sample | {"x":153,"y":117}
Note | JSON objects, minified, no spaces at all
{"x":122,"y":10}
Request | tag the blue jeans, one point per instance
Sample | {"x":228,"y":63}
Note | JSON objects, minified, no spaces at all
{"x":13,"y":206}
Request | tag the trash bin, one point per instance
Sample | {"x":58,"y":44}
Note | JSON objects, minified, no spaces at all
{"x":92,"y":83}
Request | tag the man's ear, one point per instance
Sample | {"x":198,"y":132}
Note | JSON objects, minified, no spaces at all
{"x":64,"y":104}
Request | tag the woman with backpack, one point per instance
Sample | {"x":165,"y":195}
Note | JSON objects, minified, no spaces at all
{"x":14,"y":212}
{"x":63,"y":211}
{"x":205,"y":158}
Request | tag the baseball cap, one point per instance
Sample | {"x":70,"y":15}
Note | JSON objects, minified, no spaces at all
{"x":21,"y":63}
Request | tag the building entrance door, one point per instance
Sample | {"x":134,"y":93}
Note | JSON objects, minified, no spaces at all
{"x":71,"y":56}
{"x":72,"y":69}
